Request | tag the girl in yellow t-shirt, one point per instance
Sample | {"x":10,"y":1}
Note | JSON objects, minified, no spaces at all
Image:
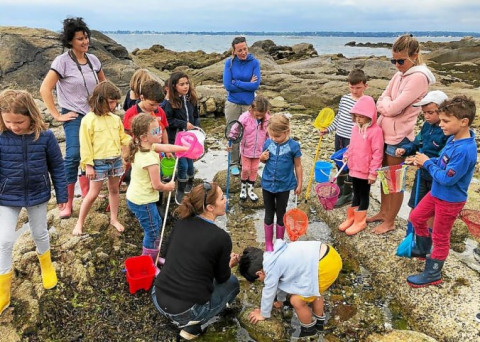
{"x":145,"y":182}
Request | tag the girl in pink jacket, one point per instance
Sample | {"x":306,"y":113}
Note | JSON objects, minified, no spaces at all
{"x":398,"y":117}
{"x":364,"y":156}
{"x":255,"y":134}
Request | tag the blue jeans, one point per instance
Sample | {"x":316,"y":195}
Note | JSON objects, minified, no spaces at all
{"x":390,"y":149}
{"x":150,"y":220}
{"x":72,"y":146}
{"x":185,"y":169}
{"x":200,"y":313}
{"x":104,"y":168}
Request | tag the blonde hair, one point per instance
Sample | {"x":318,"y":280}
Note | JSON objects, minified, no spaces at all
{"x":279,"y":123}
{"x":409,"y":44}
{"x":21,"y":102}
{"x":140,"y":126}
{"x":138,"y":78}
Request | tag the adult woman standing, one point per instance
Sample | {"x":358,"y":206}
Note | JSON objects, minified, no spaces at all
{"x":241,"y":78}
{"x":196,"y":282}
{"x":398,"y":117}
{"x":74,"y":74}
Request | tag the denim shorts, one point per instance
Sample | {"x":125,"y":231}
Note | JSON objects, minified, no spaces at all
{"x":109,"y":167}
{"x":390,"y":149}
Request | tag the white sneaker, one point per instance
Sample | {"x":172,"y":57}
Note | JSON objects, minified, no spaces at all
{"x":253,"y":196}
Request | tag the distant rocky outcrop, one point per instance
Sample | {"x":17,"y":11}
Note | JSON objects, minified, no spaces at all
{"x":26,"y":55}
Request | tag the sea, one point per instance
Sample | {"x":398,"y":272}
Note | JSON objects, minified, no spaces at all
{"x":221,"y":42}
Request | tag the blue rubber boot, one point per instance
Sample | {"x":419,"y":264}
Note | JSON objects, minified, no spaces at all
{"x":431,"y":276}
{"x":422,"y":247}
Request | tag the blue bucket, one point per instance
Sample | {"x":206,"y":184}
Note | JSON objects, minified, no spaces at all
{"x":337,"y":157}
{"x":322,"y":171}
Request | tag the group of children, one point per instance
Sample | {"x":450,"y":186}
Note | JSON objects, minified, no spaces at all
{"x":445,"y":150}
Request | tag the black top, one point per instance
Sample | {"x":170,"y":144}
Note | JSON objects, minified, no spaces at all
{"x":197,"y":254}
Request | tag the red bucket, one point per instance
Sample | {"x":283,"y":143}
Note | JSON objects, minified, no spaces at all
{"x":140,"y":273}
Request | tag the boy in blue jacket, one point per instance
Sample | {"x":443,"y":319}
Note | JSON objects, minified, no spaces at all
{"x":452,"y":172}
{"x":430,"y":141}
{"x":304,"y":269}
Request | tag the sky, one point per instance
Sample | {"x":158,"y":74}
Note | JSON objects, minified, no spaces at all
{"x":248,"y":15}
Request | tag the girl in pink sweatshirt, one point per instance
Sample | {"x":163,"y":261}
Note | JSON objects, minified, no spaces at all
{"x":364,"y":156}
{"x":255,"y":134}
{"x":398,"y":117}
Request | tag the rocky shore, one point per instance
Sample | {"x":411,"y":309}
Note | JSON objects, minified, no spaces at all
{"x":92,"y":302}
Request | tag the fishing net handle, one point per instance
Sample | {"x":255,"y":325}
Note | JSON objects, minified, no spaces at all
{"x":237,"y":129}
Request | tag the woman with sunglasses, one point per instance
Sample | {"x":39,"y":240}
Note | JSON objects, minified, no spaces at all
{"x":241,"y":78}
{"x":196,"y":282}
{"x":74,"y":73}
{"x":398,"y":116}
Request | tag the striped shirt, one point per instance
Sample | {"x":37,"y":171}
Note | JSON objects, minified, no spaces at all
{"x":343,"y":122}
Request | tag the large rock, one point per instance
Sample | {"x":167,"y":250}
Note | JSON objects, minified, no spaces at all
{"x":26,"y":55}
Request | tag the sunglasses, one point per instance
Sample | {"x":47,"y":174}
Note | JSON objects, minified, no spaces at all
{"x":399,"y":61}
{"x":156,"y":131}
{"x":206,"y":188}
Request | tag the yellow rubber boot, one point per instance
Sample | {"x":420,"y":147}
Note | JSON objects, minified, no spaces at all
{"x":349,"y":221}
{"x":5,"y":286}
{"x":49,"y":277}
{"x":359,"y":223}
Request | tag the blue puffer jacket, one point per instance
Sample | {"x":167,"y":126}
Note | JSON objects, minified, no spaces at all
{"x":25,"y":165}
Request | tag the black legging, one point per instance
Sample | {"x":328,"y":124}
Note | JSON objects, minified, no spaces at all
{"x":275,"y":203}
{"x":361,"y":193}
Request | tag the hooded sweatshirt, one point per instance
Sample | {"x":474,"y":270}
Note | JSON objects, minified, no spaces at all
{"x":398,"y":116}
{"x":254,"y":135}
{"x":290,"y":268}
{"x":236,"y":79}
{"x":365,"y":152}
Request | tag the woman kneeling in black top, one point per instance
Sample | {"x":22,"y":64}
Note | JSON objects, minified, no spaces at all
{"x":196,"y":282}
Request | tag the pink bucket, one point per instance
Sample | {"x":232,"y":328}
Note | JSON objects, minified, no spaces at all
{"x":327,"y":194}
{"x":189,"y":139}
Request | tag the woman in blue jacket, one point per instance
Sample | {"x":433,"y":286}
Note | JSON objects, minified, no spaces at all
{"x":241,"y":78}
{"x":29,"y":157}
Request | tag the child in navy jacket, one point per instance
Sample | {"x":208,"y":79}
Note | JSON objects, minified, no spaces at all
{"x":29,"y":157}
{"x":452,"y":172}
{"x":430,"y":140}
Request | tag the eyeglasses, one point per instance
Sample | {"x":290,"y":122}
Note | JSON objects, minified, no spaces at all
{"x":206,"y":188}
{"x":399,"y":61}
{"x":156,"y":131}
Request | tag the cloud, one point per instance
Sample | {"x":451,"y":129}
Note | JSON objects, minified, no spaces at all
{"x":249,"y":15}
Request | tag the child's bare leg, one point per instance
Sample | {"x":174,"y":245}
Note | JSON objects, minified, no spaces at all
{"x":302,"y":309}
{"x":317,"y":306}
{"x":113,"y":198}
{"x":95,"y":187}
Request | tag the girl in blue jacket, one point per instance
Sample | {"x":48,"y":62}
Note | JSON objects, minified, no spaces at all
{"x":29,"y":157}
{"x":282,"y":173}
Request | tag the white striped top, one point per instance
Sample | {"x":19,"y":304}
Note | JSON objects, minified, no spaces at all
{"x":343,"y":122}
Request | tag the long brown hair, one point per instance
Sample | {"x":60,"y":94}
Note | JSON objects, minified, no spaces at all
{"x":193,"y":203}
{"x":21,"y":102}
{"x":174,"y":96}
